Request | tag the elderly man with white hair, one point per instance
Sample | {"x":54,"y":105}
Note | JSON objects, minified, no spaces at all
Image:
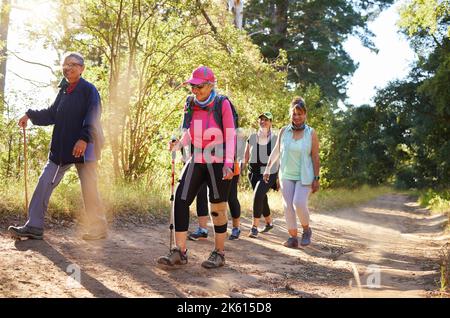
{"x":76,"y":140}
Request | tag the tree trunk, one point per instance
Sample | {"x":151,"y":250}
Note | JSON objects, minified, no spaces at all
{"x":280,"y":22}
{"x":237,"y":7}
{"x":4,"y":26}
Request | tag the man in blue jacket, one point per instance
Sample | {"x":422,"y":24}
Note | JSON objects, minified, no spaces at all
{"x":77,"y":139}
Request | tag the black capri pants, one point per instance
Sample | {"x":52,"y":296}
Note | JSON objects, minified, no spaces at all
{"x":260,"y":189}
{"x":233,"y":202}
{"x":194,"y":175}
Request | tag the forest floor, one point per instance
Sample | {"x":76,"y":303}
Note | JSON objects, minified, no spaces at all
{"x":388,"y":247}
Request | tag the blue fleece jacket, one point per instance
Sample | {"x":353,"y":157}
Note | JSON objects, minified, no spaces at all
{"x":75,"y":116}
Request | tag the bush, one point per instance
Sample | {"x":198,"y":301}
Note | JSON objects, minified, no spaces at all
{"x":405,"y":178}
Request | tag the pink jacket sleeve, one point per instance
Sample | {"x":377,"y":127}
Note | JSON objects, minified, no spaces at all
{"x":229,"y":131}
{"x":185,"y":138}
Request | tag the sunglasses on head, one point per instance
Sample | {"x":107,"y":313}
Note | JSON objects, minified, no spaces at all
{"x":300,"y":104}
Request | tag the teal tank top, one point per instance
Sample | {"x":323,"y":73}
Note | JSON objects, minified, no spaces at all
{"x":295,"y":157}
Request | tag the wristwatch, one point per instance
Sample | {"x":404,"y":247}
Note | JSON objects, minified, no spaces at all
{"x":316,"y":177}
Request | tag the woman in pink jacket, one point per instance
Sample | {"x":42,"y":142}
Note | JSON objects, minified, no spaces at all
{"x":209,"y":131}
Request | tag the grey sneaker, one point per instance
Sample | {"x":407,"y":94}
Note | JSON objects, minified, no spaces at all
{"x":26,"y":231}
{"x":235,"y":232}
{"x":292,"y":242}
{"x":200,"y":233}
{"x":306,"y":237}
{"x":253,"y":232}
{"x":175,"y":257}
{"x":214,"y":260}
{"x":267,"y":228}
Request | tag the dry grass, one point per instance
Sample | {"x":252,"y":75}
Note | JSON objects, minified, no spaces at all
{"x":436,"y":201}
{"x":139,"y":200}
{"x":324,"y":200}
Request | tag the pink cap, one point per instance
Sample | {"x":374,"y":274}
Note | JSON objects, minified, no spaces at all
{"x":201,"y":75}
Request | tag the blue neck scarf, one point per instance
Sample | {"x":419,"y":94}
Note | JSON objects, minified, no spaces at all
{"x":206,"y":102}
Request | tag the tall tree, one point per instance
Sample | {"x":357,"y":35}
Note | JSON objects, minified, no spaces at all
{"x":312,"y":33}
{"x":5,"y":9}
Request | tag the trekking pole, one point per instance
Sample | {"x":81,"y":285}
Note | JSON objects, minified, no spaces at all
{"x":25,"y":167}
{"x":172,"y":199}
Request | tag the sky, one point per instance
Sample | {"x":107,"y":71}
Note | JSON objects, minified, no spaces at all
{"x":20,"y":93}
{"x":375,"y":70}
{"x":392,"y":62}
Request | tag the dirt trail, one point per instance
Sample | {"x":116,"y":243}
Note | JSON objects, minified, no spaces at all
{"x":389,"y":246}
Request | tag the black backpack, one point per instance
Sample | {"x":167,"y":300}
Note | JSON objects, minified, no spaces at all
{"x":216,"y":109}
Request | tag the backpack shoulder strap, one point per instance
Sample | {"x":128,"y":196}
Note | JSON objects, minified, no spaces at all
{"x":217,"y":108}
{"x":189,"y":103}
{"x":188,"y":108}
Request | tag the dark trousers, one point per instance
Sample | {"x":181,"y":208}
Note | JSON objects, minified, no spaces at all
{"x":260,"y":189}
{"x":194,"y":175}
{"x":233,"y":202}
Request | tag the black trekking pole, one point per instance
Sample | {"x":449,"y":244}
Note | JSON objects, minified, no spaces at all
{"x":172,"y":199}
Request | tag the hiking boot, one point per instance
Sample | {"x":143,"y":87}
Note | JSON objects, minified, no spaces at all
{"x":253,"y":232}
{"x":175,"y":257}
{"x":306,"y":237}
{"x":214,"y":260}
{"x":235,"y":232}
{"x":292,"y":242}
{"x":92,"y":236}
{"x":26,"y":231}
{"x":200,"y":233}
{"x":267,"y":228}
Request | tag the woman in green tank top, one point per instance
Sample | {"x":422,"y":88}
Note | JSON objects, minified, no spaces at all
{"x":297,"y":148}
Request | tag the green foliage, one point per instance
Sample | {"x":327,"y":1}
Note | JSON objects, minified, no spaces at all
{"x":359,"y":154}
{"x":312,"y":33}
{"x":435,"y":87}
{"x":427,"y":15}
{"x":420,"y":103}
{"x":436,"y":201}
{"x":405,"y":138}
{"x":416,"y":133}
{"x":138,"y":52}
{"x":11,"y":150}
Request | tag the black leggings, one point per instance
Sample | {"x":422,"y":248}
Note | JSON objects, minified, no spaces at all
{"x":194,"y":175}
{"x":233,"y":202}
{"x":202,"y":200}
{"x":260,"y":189}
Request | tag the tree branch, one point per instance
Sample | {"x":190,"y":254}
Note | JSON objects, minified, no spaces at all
{"x":30,"y":62}
{"x":213,"y":27}
{"x":35,"y":83}
{"x":436,"y":41}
